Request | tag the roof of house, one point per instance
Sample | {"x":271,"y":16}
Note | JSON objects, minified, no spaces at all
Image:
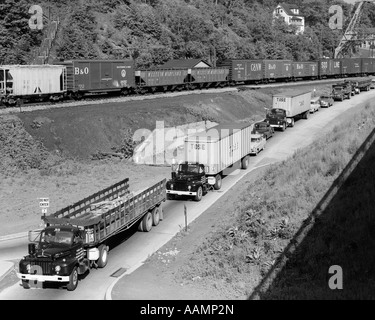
{"x":185,"y":63}
{"x":288,"y":8}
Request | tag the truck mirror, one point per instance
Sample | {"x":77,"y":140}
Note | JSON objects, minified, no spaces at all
{"x":31,"y":248}
{"x":173,"y":174}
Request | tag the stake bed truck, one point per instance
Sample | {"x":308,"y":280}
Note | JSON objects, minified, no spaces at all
{"x":75,"y":238}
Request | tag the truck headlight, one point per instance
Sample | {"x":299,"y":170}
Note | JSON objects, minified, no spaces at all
{"x":189,"y":188}
{"x":57,"y":268}
{"x":28,"y":268}
{"x":171,"y":186}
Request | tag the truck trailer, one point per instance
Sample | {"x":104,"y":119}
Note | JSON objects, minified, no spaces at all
{"x":75,"y":239}
{"x":208,"y":155}
{"x":288,"y":106}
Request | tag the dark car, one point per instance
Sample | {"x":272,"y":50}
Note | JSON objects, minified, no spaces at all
{"x":326,"y":101}
{"x":264,"y":128}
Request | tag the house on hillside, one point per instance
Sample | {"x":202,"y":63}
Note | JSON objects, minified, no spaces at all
{"x":185,"y":64}
{"x":291,"y":15}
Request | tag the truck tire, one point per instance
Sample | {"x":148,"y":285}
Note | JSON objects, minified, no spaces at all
{"x":171,"y":196}
{"x":147,"y":222}
{"x":73,"y":280}
{"x":292,"y":123}
{"x":199,"y":195}
{"x":103,"y":256}
{"x":245,"y":162}
{"x":155,"y":216}
{"x":306,"y":115}
{"x":217,"y":185}
{"x":25,"y":284}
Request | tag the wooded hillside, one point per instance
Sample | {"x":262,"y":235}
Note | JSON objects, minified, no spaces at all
{"x":154,"y":31}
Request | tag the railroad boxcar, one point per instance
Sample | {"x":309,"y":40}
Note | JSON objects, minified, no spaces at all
{"x":337,"y":68}
{"x":325,"y":68}
{"x":306,"y":69}
{"x":277,"y":69}
{"x":351,"y":66}
{"x":32,"y":82}
{"x":99,"y":76}
{"x":168,"y":78}
{"x":244,"y":70}
{"x":368,"y":66}
{"x":209,"y":76}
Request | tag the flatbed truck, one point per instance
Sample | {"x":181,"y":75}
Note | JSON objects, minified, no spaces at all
{"x":75,"y":239}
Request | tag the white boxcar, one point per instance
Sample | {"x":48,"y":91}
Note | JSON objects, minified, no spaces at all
{"x":219,"y":147}
{"x":27,"y":81}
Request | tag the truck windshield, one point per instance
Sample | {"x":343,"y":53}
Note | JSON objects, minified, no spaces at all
{"x":57,"y":237}
{"x":188,"y":169}
{"x":278,"y":112}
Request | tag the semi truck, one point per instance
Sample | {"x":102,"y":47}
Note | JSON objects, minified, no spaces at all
{"x":361,"y":84}
{"x":288,"y":106}
{"x":75,"y":239}
{"x":341,"y":91}
{"x":210,"y":155}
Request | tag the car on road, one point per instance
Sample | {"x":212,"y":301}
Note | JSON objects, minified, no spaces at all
{"x":326,"y":101}
{"x":258,"y":143}
{"x":315,"y":104}
{"x":264,"y":128}
{"x":372,"y":84}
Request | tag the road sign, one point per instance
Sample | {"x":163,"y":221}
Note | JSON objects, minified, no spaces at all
{"x":44,"y":210}
{"x":43,"y":202}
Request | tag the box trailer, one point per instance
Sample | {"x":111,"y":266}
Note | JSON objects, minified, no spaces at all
{"x":208,"y":155}
{"x":76,"y":238}
{"x":32,"y":82}
{"x":288,"y":106}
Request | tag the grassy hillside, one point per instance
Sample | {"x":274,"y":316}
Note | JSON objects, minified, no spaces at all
{"x":272,"y":211}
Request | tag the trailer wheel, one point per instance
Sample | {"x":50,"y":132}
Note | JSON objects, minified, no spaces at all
{"x":73,"y":280}
{"x":146,"y":223}
{"x":199,"y":194}
{"x":245,"y":162}
{"x":155,"y":216}
{"x":103,"y":256}
{"x":25,"y":284}
{"x":218,"y":181}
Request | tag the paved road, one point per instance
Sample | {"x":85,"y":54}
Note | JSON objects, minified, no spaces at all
{"x":129,"y":249}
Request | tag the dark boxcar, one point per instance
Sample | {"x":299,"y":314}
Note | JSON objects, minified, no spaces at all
{"x":277,"y":69}
{"x":336,"y":67}
{"x":305,"y":69}
{"x":367,"y":65}
{"x":161,"y":77}
{"x":204,"y":75}
{"x":94,"y":76}
{"x":351,"y":66}
{"x":325,"y":68}
{"x":244,"y":70}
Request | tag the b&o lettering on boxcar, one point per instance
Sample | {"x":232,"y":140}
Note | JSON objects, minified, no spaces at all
{"x":81,"y":71}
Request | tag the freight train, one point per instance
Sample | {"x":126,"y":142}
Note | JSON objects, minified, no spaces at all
{"x":78,"y":78}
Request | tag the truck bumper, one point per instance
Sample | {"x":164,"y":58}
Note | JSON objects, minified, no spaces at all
{"x":276,"y":125}
{"x":181,"y":193}
{"x":42,"y":278}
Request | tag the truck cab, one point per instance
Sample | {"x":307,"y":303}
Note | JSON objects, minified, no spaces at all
{"x":56,"y":255}
{"x":276,"y":117}
{"x":189,"y":179}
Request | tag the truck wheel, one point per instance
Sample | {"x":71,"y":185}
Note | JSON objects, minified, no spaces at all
{"x":292,"y":123}
{"x":307,"y":115}
{"x":147,"y":222}
{"x":170,"y":196}
{"x":217,"y":185}
{"x":73,"y":280}
{"x":199,"y":195}
{"x":103,"y":256}
{"x":245,"y":162}
{"x":25,"y":284}
{"x":155,"y":216}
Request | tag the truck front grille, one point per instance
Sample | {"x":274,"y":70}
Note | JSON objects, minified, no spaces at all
{"x":45,"y":265}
